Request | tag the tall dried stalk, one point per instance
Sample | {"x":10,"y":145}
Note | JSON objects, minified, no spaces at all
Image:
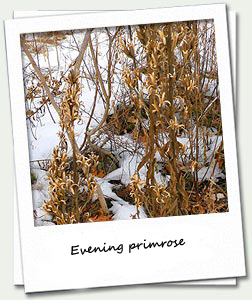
{"x":69,"y":120}
{"x":176,"y":71}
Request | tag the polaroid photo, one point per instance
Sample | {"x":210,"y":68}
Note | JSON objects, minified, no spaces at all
{"x":17,"y":270}
{"x":134,"y":108}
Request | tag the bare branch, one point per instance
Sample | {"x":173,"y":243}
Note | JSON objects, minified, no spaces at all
{"x":40,"y":75}
{"x":107,"y":97}
{"x":82,"y":50}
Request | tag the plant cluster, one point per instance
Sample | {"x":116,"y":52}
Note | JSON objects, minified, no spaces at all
{"x":169,"y":88}
{"x":159,"y":87}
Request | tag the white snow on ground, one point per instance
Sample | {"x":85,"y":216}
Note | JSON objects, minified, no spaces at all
{"x":42,"y":218}
{"x":208,"y":173}
{"x":125,"y":211}
{"x":39,"y":195}
{"x":106,"y":188}
{"x":129,"y":162}
{"x":120,"y":208}
{"x":40,"y":188}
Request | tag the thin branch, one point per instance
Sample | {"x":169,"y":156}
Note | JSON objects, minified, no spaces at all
{"x":107,"y":97}
{"x":40,"y":75}
{"x":82,"y":51}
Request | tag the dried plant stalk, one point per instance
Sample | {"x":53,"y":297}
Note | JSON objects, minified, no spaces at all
{"x":176,"y":72}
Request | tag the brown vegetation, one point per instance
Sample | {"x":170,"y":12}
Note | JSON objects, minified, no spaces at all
{"x":166,"y":91}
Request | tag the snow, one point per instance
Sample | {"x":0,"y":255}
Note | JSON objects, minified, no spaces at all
{"x":39,"y":195}
{"x":207,"y":173}
{"x":106,"y":188}
{"x":40,"y":188}
{"x":125,"y":211}
{"x":38,"y":198}
{"x":120,"y":208}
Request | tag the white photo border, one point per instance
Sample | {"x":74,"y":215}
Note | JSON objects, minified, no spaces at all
{"x":214,"y":243}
